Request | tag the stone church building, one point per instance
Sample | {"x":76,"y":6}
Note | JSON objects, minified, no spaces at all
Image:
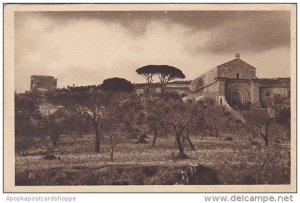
{"x":236,"y":83}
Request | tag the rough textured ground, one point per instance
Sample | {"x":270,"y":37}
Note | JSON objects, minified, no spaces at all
{"x":119,"y":175}
{"x":146,"y":164}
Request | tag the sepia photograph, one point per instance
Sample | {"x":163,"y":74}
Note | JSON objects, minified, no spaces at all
{"x":150,"y":98}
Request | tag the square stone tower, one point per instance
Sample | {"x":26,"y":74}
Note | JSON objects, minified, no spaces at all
{"x":42,"y":83}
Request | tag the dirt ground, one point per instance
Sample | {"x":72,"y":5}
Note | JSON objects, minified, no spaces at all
{"x":118,"y":175}
{"x":146,"y":164}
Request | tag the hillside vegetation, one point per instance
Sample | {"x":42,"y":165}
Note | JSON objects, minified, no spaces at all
{"x":108,"y":139}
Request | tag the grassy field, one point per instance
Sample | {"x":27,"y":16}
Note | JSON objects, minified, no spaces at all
{"x":234,"y":160}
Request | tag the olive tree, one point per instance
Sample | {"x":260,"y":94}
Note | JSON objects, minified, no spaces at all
{"x":279,"y":112}
{"x":102,"y":109}
{"x":179,"y":116}
{"x":154,"y":118}
{"x":133,"y":116}
{"x":26,"y":110}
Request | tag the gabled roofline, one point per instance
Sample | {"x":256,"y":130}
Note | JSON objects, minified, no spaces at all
{"x":235,"y":60}
{"x":42,"y":76}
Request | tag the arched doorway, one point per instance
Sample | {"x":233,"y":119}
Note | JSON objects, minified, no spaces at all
{"x":238,"y":97}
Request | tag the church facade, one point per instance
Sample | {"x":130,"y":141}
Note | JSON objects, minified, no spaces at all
{"x":236,"y":83}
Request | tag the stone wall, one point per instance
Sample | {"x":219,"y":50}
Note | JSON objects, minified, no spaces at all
{"x":43,"y":83}
{"x":269,"y":87}
{"x":142,"y":91}
{"x":212,"y":88}
{"x":255,"y":93}
{"x":204,"y":80}
{"x":236,"y":69}
{"x":266,"y":94}
{"x":181,"y":87}
{"x":210,"y":91}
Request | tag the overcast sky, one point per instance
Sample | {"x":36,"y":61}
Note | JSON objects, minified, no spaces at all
{"x":84,"y":48}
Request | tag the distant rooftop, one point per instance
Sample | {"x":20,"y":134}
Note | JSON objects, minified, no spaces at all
{"x":42,"y":76}
{"x":274,"y":80}
{"x":157,"y":84}
{"x":278,"y":82}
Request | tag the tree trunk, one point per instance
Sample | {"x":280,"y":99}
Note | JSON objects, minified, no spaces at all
{"x":155,"y":136}
{"x":97,"y":141}
{"x":147,"y":91}
{"x":204,"y":132}
{"x":162,"y":88}
{"x":266,"y":137}
{"x":183,"y":139}
{"x":181,"y":154}
{"x":112,"y":153}
{"x":192,"y":147}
